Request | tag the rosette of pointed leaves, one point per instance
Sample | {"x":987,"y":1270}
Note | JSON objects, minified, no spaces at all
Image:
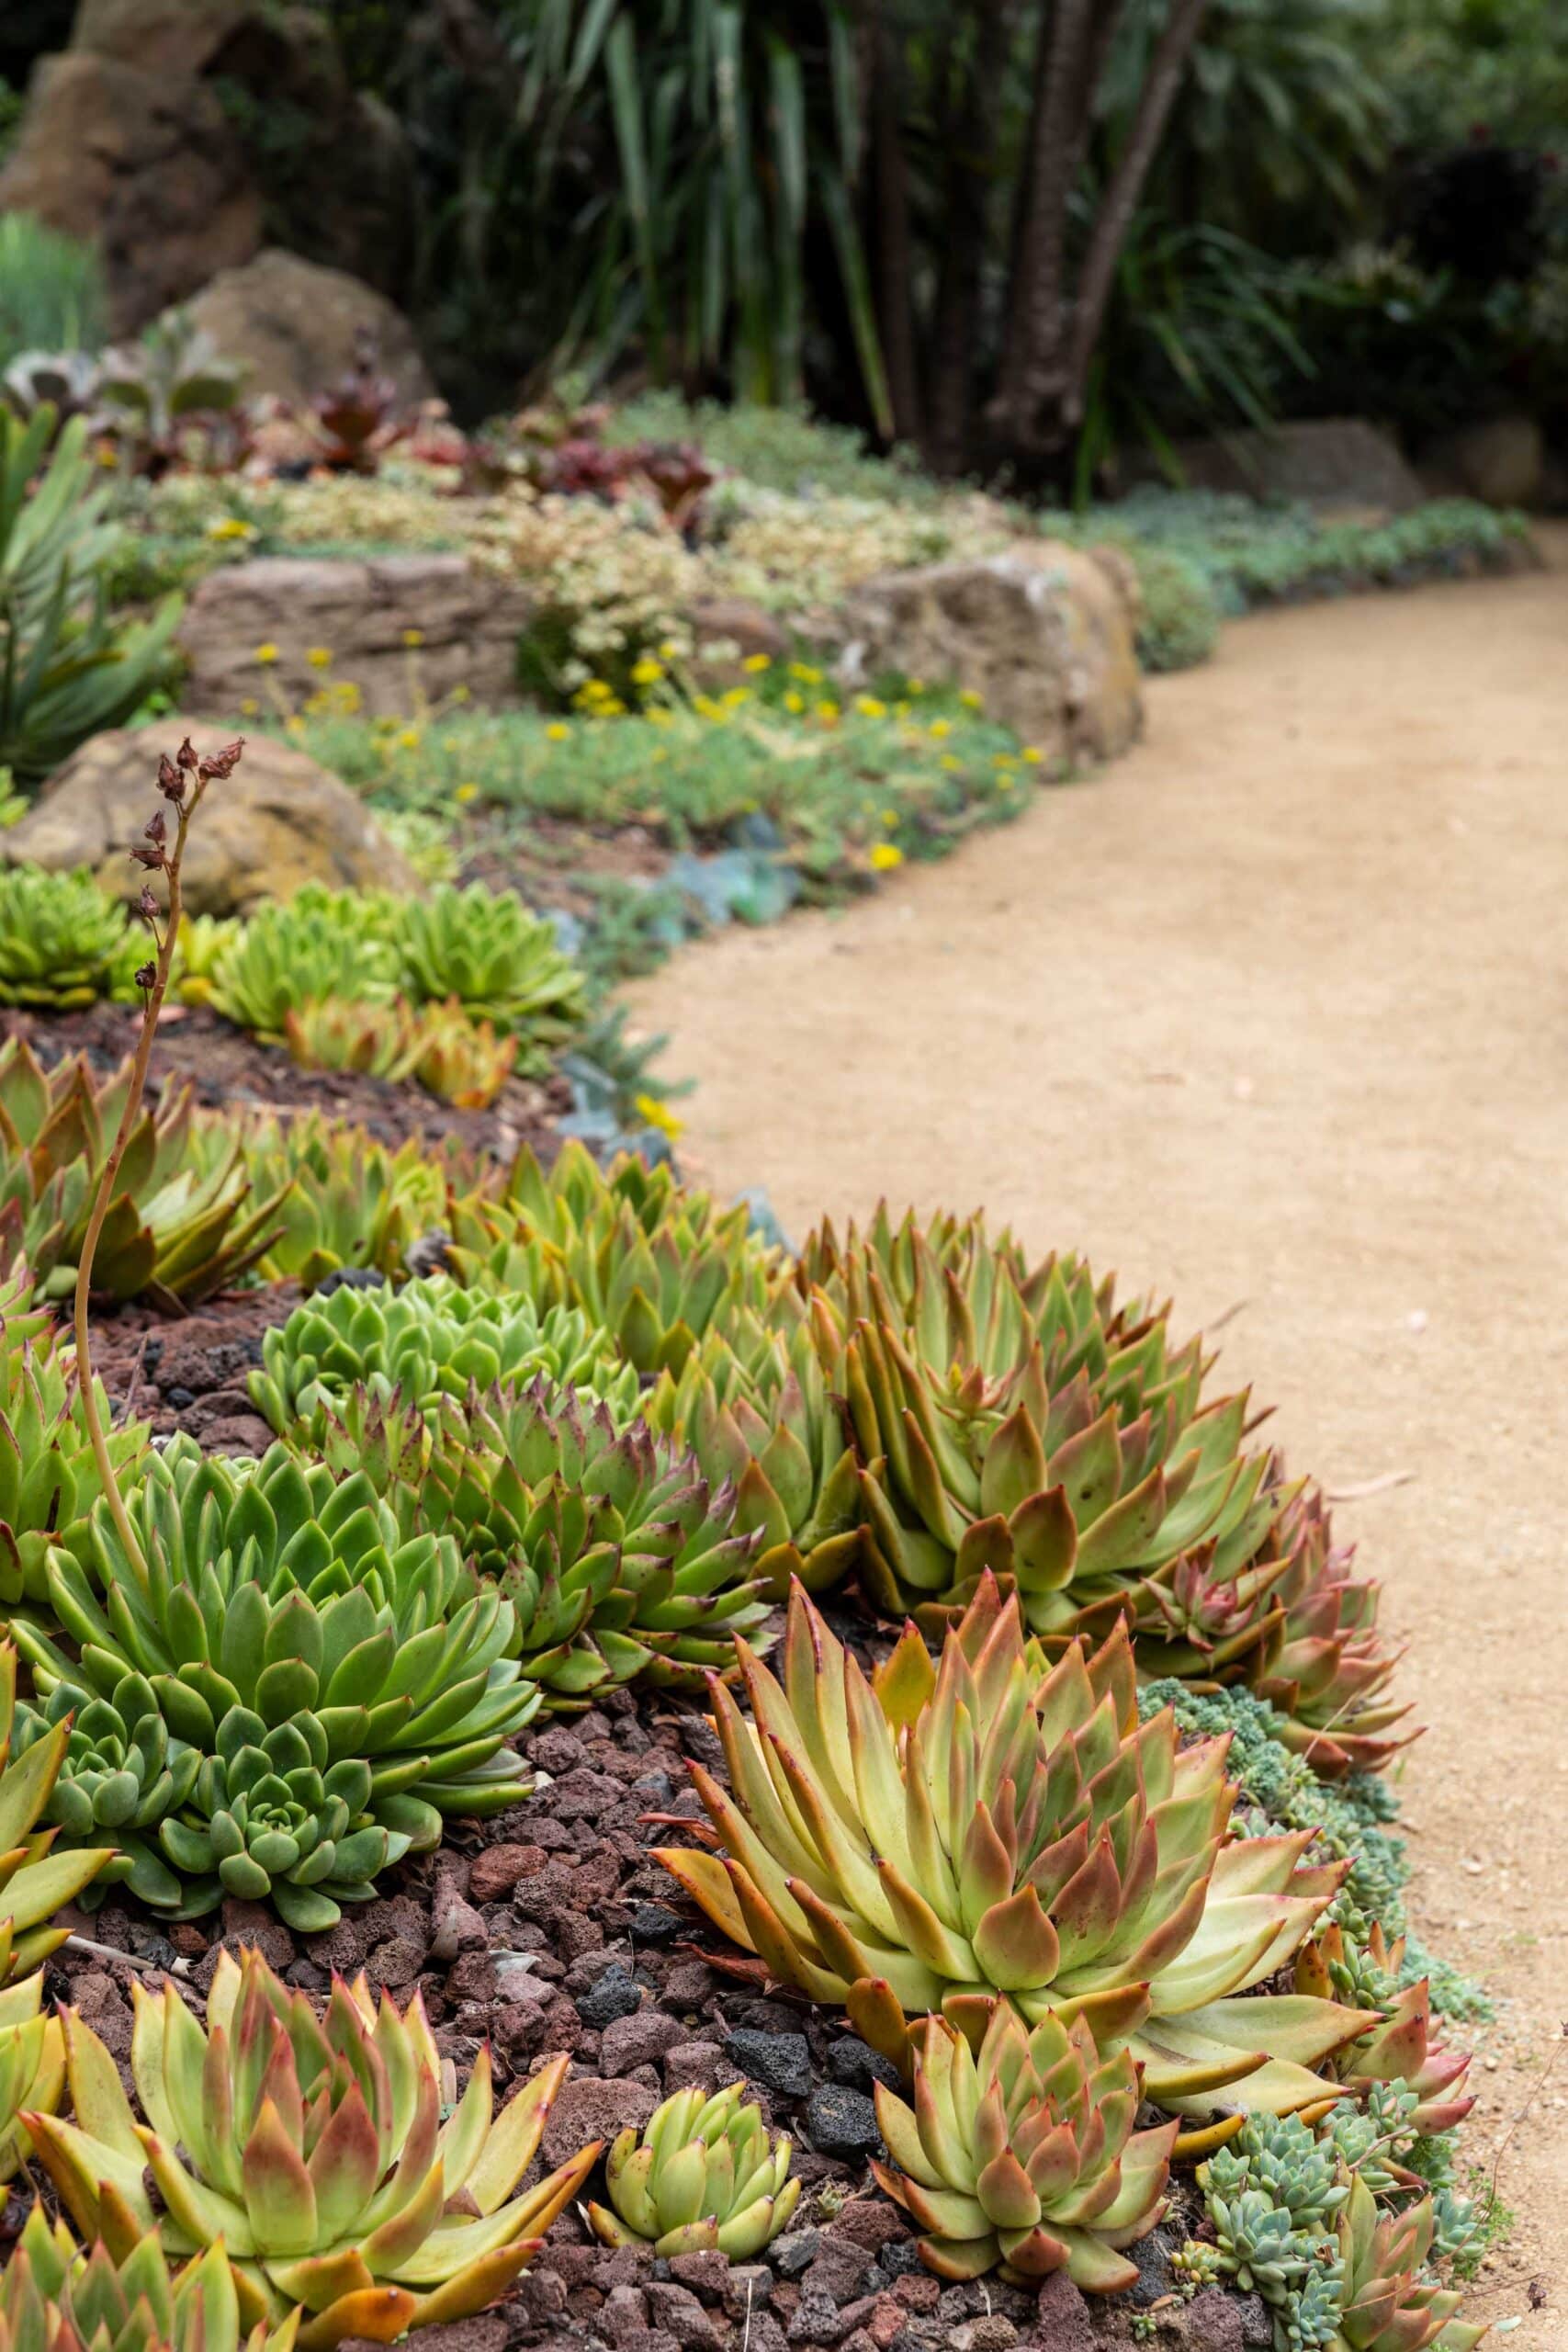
{"x":1402,"y":2049}
{"x":63,"y":940}
{"x":120,"y":2295}
{"x":756,"y":1409}
{"x":428,"y":1340}
{"x":702,"y":2175}
{"x":36,"y":1879}
{"x":485,"y":949}
{"x":320,"y":942}
{"x":618,"y":1558}
{"x":460,"y":1058}
{"x":655,"y":1264}
{"x":1007,"y":1826}
{"x":32,"y":2066}
{"x":347,"y":1200}
{"x":342,"y":1687}
{"x":1024,"y":1424}
{"x":48,"y":1475}
{"x":1388,"y":2301}
{"x":123,"y":1772}
{"x":176,"y":1229}
{"x":346,"y":1033}
{"x":315,"y":2148}
{"x":1024,"y":2154}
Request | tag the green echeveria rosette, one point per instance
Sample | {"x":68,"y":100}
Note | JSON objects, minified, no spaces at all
{"x":429,"y":1341}
{"x":702,"y":2176}
{"x":502,"y":962}
{"x":342,"y":1687}
{"x":122,"y":1774}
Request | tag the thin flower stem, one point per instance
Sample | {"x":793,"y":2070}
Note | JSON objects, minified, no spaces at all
{"x":151,"y":1007}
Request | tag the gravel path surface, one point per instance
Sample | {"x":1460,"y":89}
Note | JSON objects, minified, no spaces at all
{"x":1272,"y":1017}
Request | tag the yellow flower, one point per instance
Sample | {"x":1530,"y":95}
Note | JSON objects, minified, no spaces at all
{"x":558,"y":732}
{"x":412,"y":637}
{"x":655,"y":1113}
{"x":646,"y":672}
{"x":1005,"y":782}
{"x":890,"y":818}
{"x":971,"y":700}
{"x":1004,"y":759}
{"x":706,"y":707}
{"x":941,"y":728}
{"x":229,"y":526}
{"x":1033,"y":754}
{"x":805,"y":673}
{"x":249,"y":707}
{"x":916,"y":685}
{"x":467,"y":792}
{"x":346,"y":695}
{"x":794,"y":701}
{"x":736,"y":697}
{"x":320,"y":657}
{"x":408,"y":739}
{"x":884,"y":856}
{"x":658,"y":717}
{"x":668,"y":649}
{"x":869,"y":708}
{"x":951,"y":759}
{"x":828,"y":712}
{"x":268,"y":653}
{"x":757,"y":662}
{"x":614,"y":709}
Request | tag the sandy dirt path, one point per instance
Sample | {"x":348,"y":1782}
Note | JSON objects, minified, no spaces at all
{"x":1274,"y":1013}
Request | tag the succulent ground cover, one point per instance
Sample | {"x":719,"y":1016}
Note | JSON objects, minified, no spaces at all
{"x":483,"y":1736}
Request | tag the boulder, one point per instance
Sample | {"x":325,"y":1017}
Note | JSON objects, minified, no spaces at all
{"x":1329,"y":462}
{"x":368,"y":616}
{"x":279,"y":821}
{"x":1500,"y":461}
{"x":178,"y":133}
{"x":1045,"y":635}
{"x":296,"y":326}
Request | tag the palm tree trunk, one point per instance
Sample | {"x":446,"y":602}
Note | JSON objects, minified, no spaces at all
{"x":955,"y":320}
{"x":893,"y":263}
{"x":1033,"y":353}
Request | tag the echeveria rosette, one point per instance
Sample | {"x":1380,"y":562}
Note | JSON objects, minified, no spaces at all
{"x":1388,"y":2300}
{"x":123,"y":1772}
{"x":704,"y":2176}
{"x":618,"y":1558}
{"x":1021,"y":1423}
{"x":1024,"y":2156}
{"x":344,"y":1689}
{"x":313,"y":2146}
{"x":47,"y":1477}
{"x":121,"y":2295}
{"x":1402,"y":2048}
{"x":657,"y":1265}
{"x":487,"y":951}
{"x":428,"y":1340}
{"x":1000,"y":1826}
{"x":347,"y":1200}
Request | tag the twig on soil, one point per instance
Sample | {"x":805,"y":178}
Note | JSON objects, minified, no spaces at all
{"x":126,"y":1959}
{"x":1521,"y":2111}
{"x":1359,"y":1491}
{"x":1237,"y":1307}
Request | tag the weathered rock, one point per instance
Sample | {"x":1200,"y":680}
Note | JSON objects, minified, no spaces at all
{"x":1329,"y":462}
{"x":1064,"y":2321}
{"x":1045,"y":635}
{"x":296,"y":326}
{"x":590,"y":2109}
{"x":612,"y":1995}
{"x":629,"y":2042}
{"x":727,"y":631}
{"x":497,"y":1869}
{"x":279,"y":821}
{"x":399,"y":627}
{"x":779,"y":2062}
{"x":697,"y":2066}
{"x":840,"y":2122}
{"x":1502,"y":461}
{"x":149,"y":136}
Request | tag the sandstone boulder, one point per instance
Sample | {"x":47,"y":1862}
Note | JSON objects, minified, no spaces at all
{"x":1329,"y":462}
{"x":157,"y":134}
{"x":294,"y":326}
{"x":1502,"y":461}
{"x":279,"y":821}
{"x":1045,"y":635}
{"x":402,"y":628}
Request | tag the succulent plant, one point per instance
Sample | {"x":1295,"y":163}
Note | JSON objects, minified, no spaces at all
{"x":121,"y":2294}
{"x":1266,"y":2251}
{"x":63,"y":942}
{"x":1386,"y":2302}
{"x":346,"y":1202}
{"x":1024,"y":2154}
{"x":184,"y":1221}
{"x":1003,"y":1825}
{"x":320,"y":942}
{"x":313,"y":2147}
{"x":162,"y":397}
{"x":202,"y":942}
{"x":66,"y":670}
{"x":702,"y":2175}
{"x":1018,"y":1420}
{"x":429,"y":1339}
{"x":658,"y":1266}
{"x":1400,"y":2048}
{"x":123,"y":1772}
{"x":499,"y":960}
{"x":1284,"y":2160}
{"x":342,"y":1687}
{"x":618,"y":1558}
{"x":359,"y":418}
{"x":47,"y":1477}
{"x":460,"y":1059}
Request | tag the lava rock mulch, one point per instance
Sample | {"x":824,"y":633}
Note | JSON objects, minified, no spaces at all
{"x":229,"y":1069}
{"x":552,"y":1929}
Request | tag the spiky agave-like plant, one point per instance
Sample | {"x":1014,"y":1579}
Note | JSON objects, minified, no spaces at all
{"x":121,"y":2295}
{"x":1388,"y":2301}
{"x":315,"y":2148}
{"x":1024,"y":2154}
{"x":1003,"y":1825}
